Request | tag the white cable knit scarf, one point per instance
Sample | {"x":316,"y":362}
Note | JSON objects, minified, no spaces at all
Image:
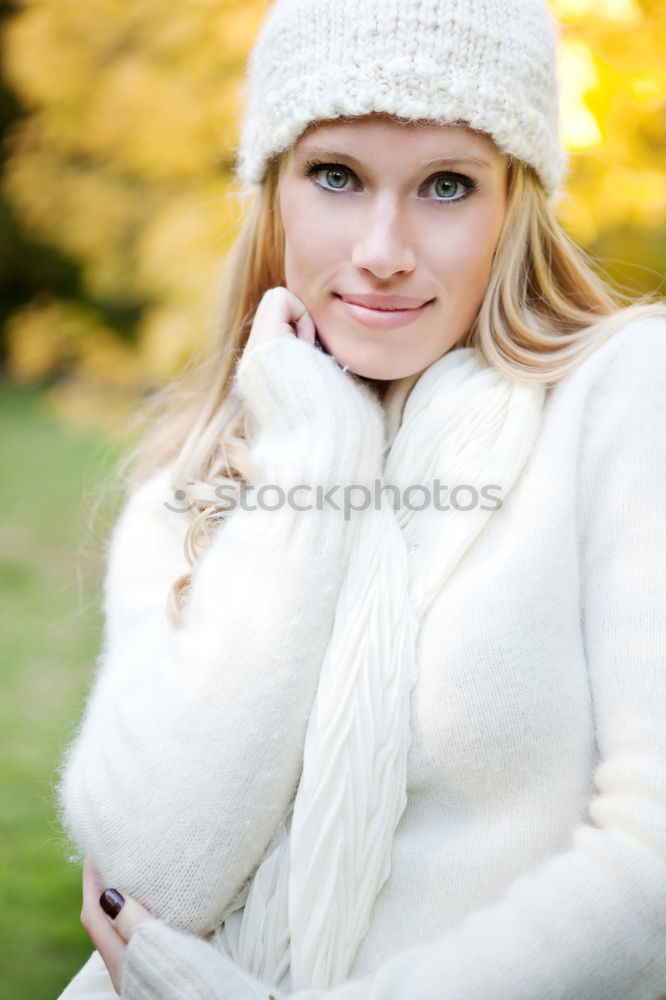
{"x":310,"y":901}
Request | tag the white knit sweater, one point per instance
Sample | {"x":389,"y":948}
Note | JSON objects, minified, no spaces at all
{"x":530,"y":861}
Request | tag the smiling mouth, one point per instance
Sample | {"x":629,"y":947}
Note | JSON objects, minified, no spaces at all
{"x":383,"y":318}
{"x":377,"y":306}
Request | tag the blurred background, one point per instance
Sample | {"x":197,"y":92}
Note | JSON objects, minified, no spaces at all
{"x":118,"y":122}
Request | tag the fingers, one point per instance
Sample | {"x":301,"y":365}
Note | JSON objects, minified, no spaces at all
{"x":296,"y":311}
{"x":281,"y":314}
{"x":91,"y":892}
{"x":99,"y":928}
{"x":126,"y":913}
{"x":305,"y":328}
{"x":123,"y":912}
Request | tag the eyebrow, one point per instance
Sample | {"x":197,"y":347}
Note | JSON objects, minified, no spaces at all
{"x":321,"y":151}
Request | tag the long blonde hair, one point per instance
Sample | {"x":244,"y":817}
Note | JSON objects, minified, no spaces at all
{"x":544,"y":311}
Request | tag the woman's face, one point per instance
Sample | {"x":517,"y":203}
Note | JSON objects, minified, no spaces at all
{"x":373,"y":207}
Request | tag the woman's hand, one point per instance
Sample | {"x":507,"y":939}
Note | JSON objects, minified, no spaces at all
{"x":109,"y":934}
{"x":280,"y":314}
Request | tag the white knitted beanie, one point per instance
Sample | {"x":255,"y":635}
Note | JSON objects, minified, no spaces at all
{"x":491,"y":64}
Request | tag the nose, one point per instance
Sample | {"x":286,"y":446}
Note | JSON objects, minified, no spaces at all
{"x":384,"y":246}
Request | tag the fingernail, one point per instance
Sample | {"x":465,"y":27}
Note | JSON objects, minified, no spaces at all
{"x":111,"y":902}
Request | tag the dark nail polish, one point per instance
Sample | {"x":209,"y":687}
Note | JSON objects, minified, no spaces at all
{"x":111,"y":902}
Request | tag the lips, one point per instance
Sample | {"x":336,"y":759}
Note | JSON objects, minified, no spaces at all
{"x":384,"y":303}
{"x":389,"y":316}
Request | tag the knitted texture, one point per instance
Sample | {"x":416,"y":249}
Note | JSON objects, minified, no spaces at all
{"x":229,"y":661}
{"x":489,"y":63}
{"x":315,"y":892}
{"x":529,"y":861}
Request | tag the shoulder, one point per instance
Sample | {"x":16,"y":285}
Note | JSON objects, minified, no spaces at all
{"x":633,"y":353}
{"x":612,"y":403}
{"x":625,"y":366}
{"x":631,"y":384}
{"x":623,"y":406}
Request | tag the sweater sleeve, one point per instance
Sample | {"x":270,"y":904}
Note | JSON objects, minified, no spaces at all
{"x":190,"y":748}
{"x":162,"y":963}
{"x":590,"y":922}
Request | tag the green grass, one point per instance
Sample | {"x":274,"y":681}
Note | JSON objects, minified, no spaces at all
{"x":50,"y":625}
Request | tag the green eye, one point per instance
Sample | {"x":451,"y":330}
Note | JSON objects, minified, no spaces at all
{"x":449,"y":188}
{"x":446,"y":187}
{"x":336,"y":177}
{"x":446,"y":184}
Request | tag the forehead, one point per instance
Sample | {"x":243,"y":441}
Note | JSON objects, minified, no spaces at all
{"x":376,"y":131}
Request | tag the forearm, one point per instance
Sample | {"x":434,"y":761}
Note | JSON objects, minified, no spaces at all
{"x":191,"y":748}
{"x":164,"y":964}
{"x":568,"y":930}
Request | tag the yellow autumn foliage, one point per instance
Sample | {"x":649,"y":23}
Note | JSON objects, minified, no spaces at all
{"x":47,"y":336}
{"x":613,"y":77}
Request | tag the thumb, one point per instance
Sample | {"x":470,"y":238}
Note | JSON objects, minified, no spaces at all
{"x":125,"y":912}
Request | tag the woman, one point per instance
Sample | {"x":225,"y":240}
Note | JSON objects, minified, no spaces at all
{"x":400,"y":733}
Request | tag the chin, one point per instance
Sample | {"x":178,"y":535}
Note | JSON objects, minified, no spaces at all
{"x":364,"y":367}
{"x":375,"y":361}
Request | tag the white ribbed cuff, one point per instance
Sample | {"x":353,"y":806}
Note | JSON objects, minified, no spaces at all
{"x":165,"y":964}
{"x":316,"y":422}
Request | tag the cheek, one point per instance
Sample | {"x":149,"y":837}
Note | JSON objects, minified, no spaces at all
{"x":307,"y":256}
{"x":297,"y":245}
{"x":468,"y":256}
{"x":315,"y":247}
